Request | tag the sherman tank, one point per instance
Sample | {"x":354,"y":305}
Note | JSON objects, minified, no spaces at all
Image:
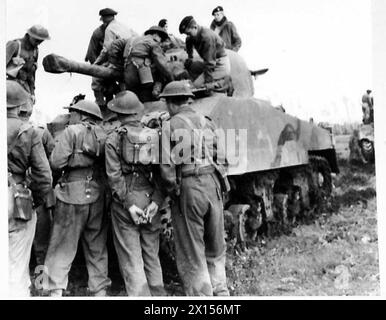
{"x":284,"y":164}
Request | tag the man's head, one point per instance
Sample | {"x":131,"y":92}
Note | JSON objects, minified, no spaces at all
{"x":107,"y":15}
{"x":16,"y":96}
{"x":126,"y":104}
{"x":368,"y":91}
{"x":163,"y":23}
{"x":37,"y":34}
{"x":158,"y":33}
{"x":84,"y":109}
{"x":189,"y":26}
{"x":218,"y":13}
{"x":176,"y":94}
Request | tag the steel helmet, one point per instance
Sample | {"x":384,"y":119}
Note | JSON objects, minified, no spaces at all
{"x":156,"y":29}
{"x":16,"y":95}
{"x":177,"y":89}
{"x":38,"y":32}
{"x":88,"y":107}
{"x":126,"y":102}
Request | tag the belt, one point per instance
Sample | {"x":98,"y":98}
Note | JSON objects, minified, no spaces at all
{"x":80,"y":174}
{"x":192,"y":170}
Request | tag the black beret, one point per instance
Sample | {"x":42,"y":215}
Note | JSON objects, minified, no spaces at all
{"x":107,"y":12}
{"x":185,"y":23}
{"x":217,"y":9}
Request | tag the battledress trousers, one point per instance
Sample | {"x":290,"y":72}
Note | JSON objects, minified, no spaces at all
{"x":137,"y":246}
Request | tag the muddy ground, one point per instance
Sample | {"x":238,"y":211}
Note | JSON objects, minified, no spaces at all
{"x":335,"y":254}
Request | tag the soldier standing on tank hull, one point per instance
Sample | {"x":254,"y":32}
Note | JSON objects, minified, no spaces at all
{"x":197,"y":209}
{"x":22,"y":57}
{"x":225,"y":29}
{"x":79,"y":212}
{"x":136,"y":198}
{"x":25,"y":152}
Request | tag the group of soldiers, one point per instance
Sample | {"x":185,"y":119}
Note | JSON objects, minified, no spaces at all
{"x":72,"y":189}
{"x":118,"y":47}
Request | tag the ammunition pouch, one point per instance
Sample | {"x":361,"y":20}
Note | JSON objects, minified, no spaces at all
{"x":20,"y":200}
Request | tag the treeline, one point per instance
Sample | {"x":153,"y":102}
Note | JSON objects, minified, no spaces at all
{"x":340,"y":129}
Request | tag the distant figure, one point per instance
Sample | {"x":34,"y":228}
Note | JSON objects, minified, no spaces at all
{"x":173,"y":42}
{"x":368,"y":107}
{"x":225,"y":29}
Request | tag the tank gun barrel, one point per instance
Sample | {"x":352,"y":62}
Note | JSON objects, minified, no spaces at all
{"x":54,"y":63}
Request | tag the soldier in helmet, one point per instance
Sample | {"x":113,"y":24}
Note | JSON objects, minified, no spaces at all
{"x":193,"y":181}
{"x":22,"y":57}
{"x":147,"y":65}
{"x":136,"y":198}
{"x":79,"y":211}
{"x":25,"y":153}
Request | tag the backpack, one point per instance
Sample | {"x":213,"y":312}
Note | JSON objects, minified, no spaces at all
{"x":94,"y":141}
{"x":220,"y":169}
{"x":139,"y":145}
{"x":89,"y":146}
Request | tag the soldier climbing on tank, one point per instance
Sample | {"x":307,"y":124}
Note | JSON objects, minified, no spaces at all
{"x":211,"y":48}
{"x":368,"y":107}
{"x":136,"y":196}
{"x":195,"y":182}
{"x":79,"y":211}
{"x":22,"y":57}
{"x":146,"y":69}
{"x":104,"y":90}
{"x":25,"y":153}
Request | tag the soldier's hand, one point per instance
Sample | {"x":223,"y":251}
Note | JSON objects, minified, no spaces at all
{"x":136,"y":214}
{"x":150,"y":211}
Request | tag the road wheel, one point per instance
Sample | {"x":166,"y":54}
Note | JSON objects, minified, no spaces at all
{"x":367,"y":150}
{"x":321,"y":176}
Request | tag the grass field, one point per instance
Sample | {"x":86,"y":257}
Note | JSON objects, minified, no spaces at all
{"x":335,"y":255}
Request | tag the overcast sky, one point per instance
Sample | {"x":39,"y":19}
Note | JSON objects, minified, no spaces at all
{"x":318,"y":52}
